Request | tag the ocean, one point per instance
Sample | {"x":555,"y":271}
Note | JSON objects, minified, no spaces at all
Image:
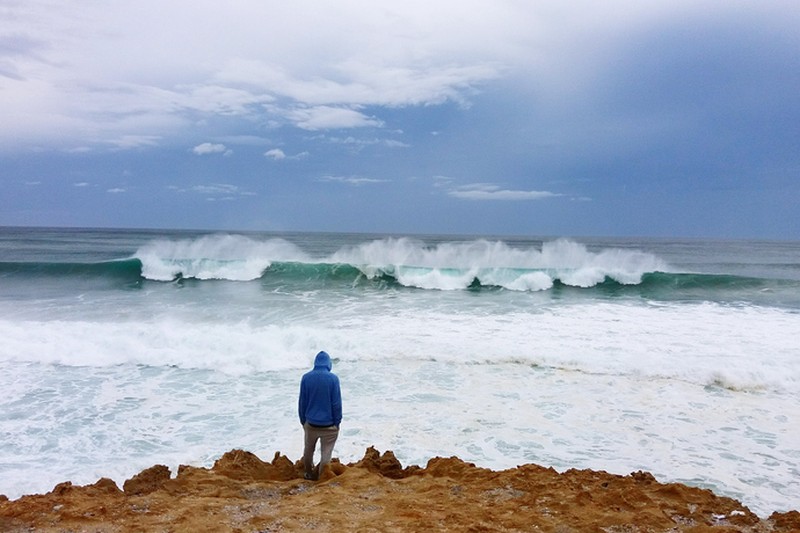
{"x":121,"y":349}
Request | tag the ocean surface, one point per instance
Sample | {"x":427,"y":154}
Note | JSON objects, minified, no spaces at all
{"x":121,"y":349}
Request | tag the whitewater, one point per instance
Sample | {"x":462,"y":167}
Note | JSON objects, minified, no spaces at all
{"x":127,"y":348}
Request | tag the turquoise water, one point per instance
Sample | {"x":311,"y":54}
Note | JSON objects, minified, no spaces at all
{"x":125,"y":348}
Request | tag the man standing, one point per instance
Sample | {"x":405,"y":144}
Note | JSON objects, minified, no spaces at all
{"x":320,"y":410}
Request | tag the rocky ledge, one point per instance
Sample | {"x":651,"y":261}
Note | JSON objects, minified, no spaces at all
{"x":242,"y":493}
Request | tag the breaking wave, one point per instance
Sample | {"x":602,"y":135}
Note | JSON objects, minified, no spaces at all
{"x":397,"y":263}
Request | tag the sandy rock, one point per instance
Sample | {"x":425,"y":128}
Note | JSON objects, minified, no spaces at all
{"x":243,"y":465}
{"x":242,"y":493}
{"x":386,"y":465}
{"x":787,"y":521}
{"x":147,"y":481}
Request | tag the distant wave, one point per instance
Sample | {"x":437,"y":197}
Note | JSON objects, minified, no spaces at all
{"x":124,"y":269}
{"x":398,"y":263}
{"x":406,"y":262}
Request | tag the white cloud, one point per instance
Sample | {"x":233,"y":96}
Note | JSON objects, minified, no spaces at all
{"x":391,"y":143}
{"x":216,"y":188}
{"x":363,"y":82}
{"x":360,"y":143}
{"x":487,"y":191}
{"x":116,"y":190}
{"x":211,"y":148}
{"x":128,"y":142}
{"x":81,"y":184}
{"x":352,"y":180}
{"x":215,"y":191}
{"x":275,"y":154}
{"x":219,"y":100}
{"x":327,"y":117}
{"x":245,"y":140}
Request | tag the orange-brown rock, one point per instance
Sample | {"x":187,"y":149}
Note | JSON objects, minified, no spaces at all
{"x":245,"y":466}
{"x":147,"y":481}
{"x":242,"y":493}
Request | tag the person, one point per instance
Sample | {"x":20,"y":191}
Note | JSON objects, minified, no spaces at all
{"x":320,"y":410}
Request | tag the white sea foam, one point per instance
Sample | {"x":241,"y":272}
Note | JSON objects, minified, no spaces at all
{"x":231,"y":257}
{"x":708,"y":344}
{"x":236,"y":349}
{"x":434,"y":278}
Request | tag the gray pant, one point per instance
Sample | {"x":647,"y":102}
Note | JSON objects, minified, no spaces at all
{"x":327,"y":437}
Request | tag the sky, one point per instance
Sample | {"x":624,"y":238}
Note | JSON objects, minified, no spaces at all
{"x":665,"y":118}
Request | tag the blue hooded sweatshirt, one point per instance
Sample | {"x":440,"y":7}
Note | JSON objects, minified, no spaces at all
{"x":320,"y":396}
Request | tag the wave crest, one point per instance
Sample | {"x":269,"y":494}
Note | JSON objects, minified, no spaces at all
{"x":462,"y":265}
{"x":228,"y":257}
{"x":408,"y":262}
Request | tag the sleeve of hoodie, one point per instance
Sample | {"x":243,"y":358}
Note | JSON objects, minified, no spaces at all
{"x":302,"y":403}
{"x":336,"y":403}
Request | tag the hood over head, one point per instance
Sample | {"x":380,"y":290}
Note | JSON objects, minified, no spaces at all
{"x":323,"y":360}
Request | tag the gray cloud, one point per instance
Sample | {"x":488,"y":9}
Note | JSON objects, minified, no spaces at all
{"x":76,"y":84}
